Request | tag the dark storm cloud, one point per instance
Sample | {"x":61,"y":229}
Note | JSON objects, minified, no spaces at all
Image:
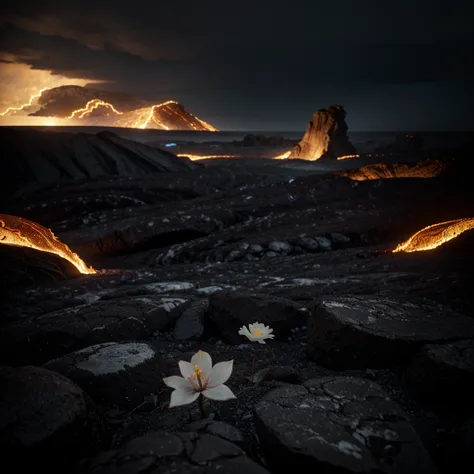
{"x":250,"y":58}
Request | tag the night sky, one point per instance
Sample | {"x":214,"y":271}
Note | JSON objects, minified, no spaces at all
{"x":261,"y":65}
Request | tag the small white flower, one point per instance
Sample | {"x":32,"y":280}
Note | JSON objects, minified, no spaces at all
{"x":257,"y":332}
{"x":199,"y":377}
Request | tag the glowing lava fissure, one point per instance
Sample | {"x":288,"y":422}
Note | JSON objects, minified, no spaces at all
{"x":435,"y":235}
{"x":20,"y":232}
{"x":151,"y":114}
{"x":28,"y":104}
{"x":202,"y":157}
{"x":90,"y":106}
{"x":283,"y":156}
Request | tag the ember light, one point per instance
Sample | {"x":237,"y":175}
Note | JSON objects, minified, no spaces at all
{"x":20,"y":232}
{"x":435,"y":235}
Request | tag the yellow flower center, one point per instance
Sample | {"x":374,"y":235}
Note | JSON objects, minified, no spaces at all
{"x":199,"y":375}
{"x":257,"y":332}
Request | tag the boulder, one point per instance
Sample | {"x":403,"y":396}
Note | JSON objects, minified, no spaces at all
{"x":443,"y":373}
{"x":190,"y":325}
{"x":118,"y":375}
{"x":338,"y":424}
{"x":36,"y":340}
{"x":174,"y":453}
{"x":229,"y":311}
{"x":355,"y":332}
{"x":46,"y":421}
{"x":325,"y":136}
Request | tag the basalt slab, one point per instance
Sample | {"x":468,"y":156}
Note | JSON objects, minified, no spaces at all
{"x":229,"y":311}
{"x":46,"y":421}
{"x":444,"y":372}
{"x":36,"y":340}
{"x":114,"y":374}
{"x":174,"y":453}
{"x":358,"y":332}
{"x":338,"y":425}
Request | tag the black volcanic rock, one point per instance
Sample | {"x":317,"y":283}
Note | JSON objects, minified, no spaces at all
{"x":378,"y":332}
{"x":174,"y":453}
{"x":38,"y":339}
{"x":443,"y":372}
{"x":338,"y":424}
{"x":113,"y":374}
{"x":325,"y":136}
{"x":45,"y":420}
{"x":228,"y":312}
{"x":33,"y":158}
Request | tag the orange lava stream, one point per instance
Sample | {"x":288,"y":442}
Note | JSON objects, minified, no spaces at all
{"x":20,"y":232}
{"x":203,"y":157}
{"x":92,"y":105}
{"x":435,"y":235}
{"x":28,"y":104}
{"x":150,"y":115}
{"x":345,"y":157}
{"x":283,"y":156}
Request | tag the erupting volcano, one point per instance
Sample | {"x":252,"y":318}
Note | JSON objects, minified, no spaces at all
{"x":20,"y":232}
{"x":435,"y":235}
{"x":96,"y":107}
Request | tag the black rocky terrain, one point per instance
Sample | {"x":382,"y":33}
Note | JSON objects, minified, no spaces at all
{"x":372,"y":365}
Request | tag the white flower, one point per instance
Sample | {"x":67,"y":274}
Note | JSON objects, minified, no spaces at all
{"x":199,"y":377}
{"x":257,"y":332}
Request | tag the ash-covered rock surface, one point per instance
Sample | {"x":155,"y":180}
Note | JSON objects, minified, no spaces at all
{"x":371,"y":365}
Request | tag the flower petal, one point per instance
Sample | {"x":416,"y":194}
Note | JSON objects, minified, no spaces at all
{"x":187,"y":369}
{"x":221,"y":392}
{"x":261,"y":341}
{"x":182,"y":397}
{"x":176,"y":382}
{"x":245,"y":332}
{"x":203,"y":361}
{"x":221,"y":373}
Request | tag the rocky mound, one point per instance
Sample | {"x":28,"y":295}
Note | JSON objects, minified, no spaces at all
{"x":168,"y":115}
{"x":428,"y":168}
{"x":35,"y":158}
{"x":325,"y":136}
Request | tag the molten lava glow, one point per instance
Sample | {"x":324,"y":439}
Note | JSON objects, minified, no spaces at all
{"x":435,"y":235}
{"x":90,"y":106}
{"x":203,"y":157}
{"x":151,"y":115}
{"x":345,"y":157}
{"x":27,"y":104}
{"x":283,"y":156}
{"x":20,"y":232}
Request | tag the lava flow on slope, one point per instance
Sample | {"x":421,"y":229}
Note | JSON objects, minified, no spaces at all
{"x":20,"y":232}
{"x":435,"y":235}
{"x":94,"y":107}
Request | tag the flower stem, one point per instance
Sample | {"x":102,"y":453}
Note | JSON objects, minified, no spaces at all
{"x":253,"y":363}
{"x":201,"y":406}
